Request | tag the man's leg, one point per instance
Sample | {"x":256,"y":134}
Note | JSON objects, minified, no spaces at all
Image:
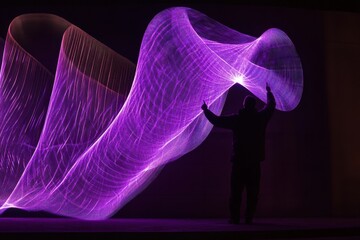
{"x":252,"y":192}
{"x":237,"y":187}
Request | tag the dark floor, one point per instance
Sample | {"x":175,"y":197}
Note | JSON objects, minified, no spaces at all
{"x":311,"y":228}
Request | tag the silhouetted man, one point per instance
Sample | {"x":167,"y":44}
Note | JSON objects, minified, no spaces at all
{"x":248,"y":151}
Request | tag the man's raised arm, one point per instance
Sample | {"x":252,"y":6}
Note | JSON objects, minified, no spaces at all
{"x":271,"y":103}
{"x":218,"y":121}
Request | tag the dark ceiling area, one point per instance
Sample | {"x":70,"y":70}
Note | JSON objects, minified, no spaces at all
{"x":332,"y":5}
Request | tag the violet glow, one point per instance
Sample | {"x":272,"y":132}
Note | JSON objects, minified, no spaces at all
{"x":84,"y":142}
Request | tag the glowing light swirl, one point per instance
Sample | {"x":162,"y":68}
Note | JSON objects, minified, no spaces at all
{"x":84,"y":142}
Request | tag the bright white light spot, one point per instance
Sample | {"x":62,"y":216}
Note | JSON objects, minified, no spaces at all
{"x":239,"y":79}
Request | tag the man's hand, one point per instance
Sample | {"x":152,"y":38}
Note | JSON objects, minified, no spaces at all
{"x":268,"y":88}
{"x":204,"y":106}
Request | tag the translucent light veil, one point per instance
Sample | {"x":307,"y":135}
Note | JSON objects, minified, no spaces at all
{"x":84,"y":129}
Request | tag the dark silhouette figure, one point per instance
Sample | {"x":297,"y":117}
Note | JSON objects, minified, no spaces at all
{"x":248,"y":151}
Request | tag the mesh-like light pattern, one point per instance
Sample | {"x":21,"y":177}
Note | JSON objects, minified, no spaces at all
{"x":86,"y":141}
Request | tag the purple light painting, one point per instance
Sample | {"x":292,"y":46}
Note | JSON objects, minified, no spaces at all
{"x":84,"y":140}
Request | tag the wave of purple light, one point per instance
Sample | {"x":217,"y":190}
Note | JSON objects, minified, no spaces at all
{"x":84,"y":140}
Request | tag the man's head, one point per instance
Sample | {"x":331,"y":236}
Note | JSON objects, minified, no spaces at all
{"x":249,"y":102}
